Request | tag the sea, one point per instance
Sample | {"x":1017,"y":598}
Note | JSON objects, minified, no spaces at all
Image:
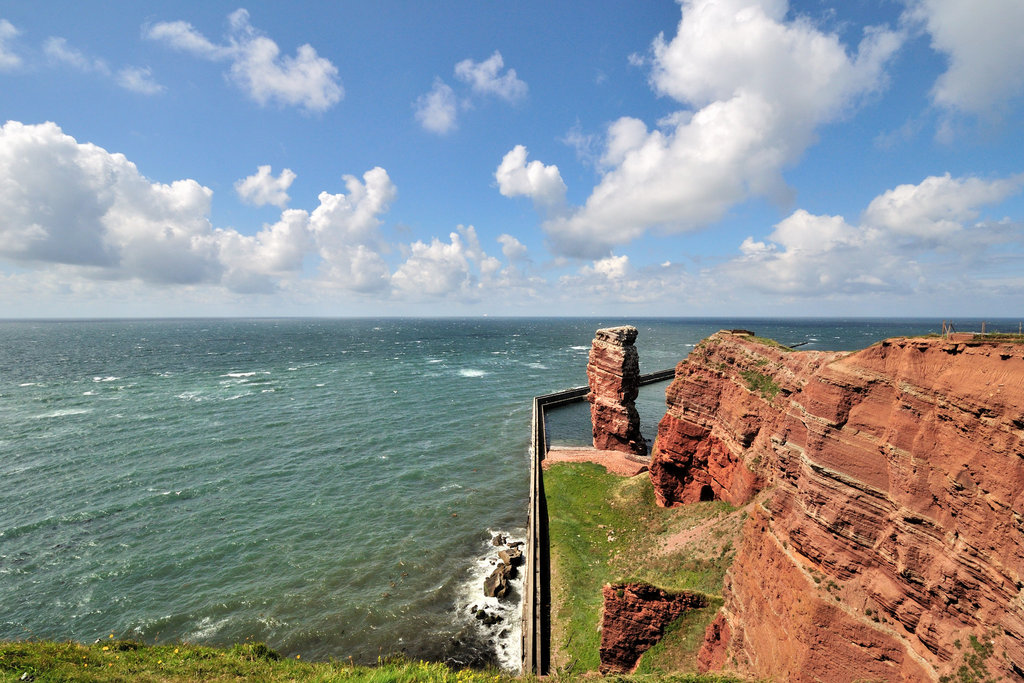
{"x":330,"y":487}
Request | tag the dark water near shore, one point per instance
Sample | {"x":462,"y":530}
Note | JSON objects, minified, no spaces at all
{"x":327,"y":486}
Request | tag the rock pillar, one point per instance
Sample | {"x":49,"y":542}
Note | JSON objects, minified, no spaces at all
{"x":613,"y":373}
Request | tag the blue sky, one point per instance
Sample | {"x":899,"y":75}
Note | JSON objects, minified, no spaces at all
{"x":708,"y":157}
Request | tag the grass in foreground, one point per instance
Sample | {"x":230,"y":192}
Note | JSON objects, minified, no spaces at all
{"x":604,"y":528}
{"x":122,"y":660}
{"x":119,"y":660}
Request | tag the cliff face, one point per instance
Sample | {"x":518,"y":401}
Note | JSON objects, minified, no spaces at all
{"x":634,"y":618}
{"x":613,"y":374}
{"x":889,"y":527}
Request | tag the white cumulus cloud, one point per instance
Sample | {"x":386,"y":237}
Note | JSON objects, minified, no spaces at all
{"x":138,"y":79}
{"x":511,"y":247}
{"x":937,"y":207}
{"x":134,"y":78}
{"x":263,"y":188}
{"x":543,"y":184}
{"x":437,"y":111}
{"x":485,"y":78}
{"x":457,"y":268}
{"x":346,"y":229}
{"x":910,"y":237}
{"x":735,"y":62}
{"x":305,"y":80}
{"x":982,"y":41}
{"x":8,"y":60}
{"x":77,"y":206}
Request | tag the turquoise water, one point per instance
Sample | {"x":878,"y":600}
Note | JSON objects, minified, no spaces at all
{"x":327,"y":486}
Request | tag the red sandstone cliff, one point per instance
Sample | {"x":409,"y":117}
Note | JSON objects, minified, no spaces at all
{"x":613,"y":374}
{"x":888,"y":522}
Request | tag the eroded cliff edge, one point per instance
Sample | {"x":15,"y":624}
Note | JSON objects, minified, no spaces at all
{"x":888,"y":490}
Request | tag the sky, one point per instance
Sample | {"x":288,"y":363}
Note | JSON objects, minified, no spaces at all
{"x":467,"y":158}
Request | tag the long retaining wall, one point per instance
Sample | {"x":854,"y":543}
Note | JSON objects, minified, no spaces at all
{"x":536,"y":583}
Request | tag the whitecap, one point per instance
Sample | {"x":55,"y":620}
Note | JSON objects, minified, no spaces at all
{"x":537,"y":366}
{"x":471,"y":372}
{"x":109,"y":378}
{"x":434,"y":360}
{"x":65,"y":412}
{"x":240,"y":374}
{"x":88,"y":393}
{"x":579,"y":348}
{"x":30,"y":384}
{"x":207,"y":628}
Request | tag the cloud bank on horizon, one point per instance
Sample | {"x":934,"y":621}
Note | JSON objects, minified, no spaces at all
{"x":770,"y":158}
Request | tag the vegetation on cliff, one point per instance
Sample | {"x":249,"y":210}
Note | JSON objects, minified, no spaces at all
{"x":607,"y":529}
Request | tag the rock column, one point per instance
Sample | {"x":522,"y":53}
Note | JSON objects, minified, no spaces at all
{"x":613,"y":373}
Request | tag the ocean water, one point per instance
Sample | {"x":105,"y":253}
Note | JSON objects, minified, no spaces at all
{"x":329,"y":487}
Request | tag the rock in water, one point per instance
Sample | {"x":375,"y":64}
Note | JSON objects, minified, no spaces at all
{"x":497,"y":584}
{"x":511,"y":557}
{"x":613,"y":373}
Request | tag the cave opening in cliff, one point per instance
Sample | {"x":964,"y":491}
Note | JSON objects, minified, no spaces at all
{"x":707,"y":493}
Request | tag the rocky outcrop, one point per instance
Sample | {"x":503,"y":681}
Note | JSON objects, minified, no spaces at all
{"x":498,"y":583}
{"x":887,"y":540}
{"x":613,"y":373}
{"x":635,"y":617}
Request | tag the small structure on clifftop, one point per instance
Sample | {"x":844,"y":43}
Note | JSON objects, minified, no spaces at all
{"x":613,"y":373}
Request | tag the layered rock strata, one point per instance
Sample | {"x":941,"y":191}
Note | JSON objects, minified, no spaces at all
{"x":887,"y":540}
{"x":613,"y":374}
{"x":635,"y":617}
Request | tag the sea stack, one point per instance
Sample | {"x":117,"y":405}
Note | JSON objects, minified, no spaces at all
{"x":613,"y":373}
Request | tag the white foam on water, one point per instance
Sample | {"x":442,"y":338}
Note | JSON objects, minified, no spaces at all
{"x":30,"y":384}
{"x":65,"y":412}
{"x":207,"y":628}
{"x":506,"y":634}
{"x":109,"y":378}
{"x":240,"y":374}
{"x":580,"y":348}
{"x":537,"y":366}
{"x":471,"y":372}
{"x":88,"y":393}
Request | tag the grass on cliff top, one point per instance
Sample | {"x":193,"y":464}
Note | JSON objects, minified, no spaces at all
{"x":604,"y":529}
{"x":119,"y":660}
